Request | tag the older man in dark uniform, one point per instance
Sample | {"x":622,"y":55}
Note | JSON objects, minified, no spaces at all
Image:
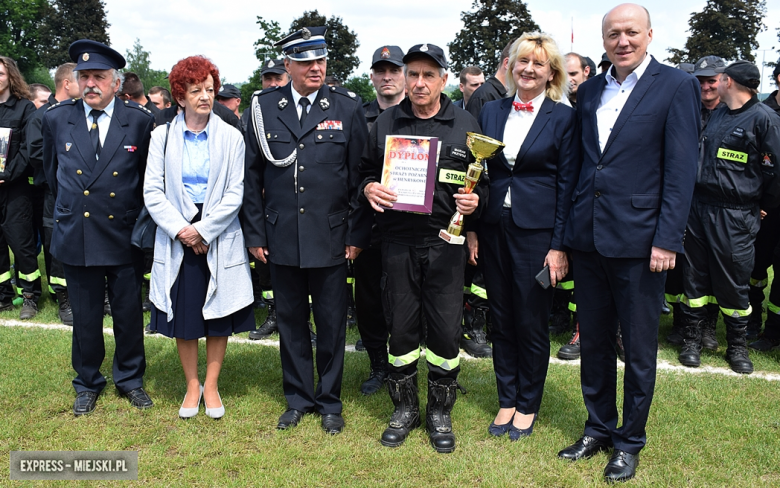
{"x":303,"y":147}
{"x":94,"y":156}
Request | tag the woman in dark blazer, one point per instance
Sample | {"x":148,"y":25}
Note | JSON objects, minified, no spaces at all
{"x":521,"y":229}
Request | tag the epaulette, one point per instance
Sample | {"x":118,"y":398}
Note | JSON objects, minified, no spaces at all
{"x":266,"y":91}
{"x":138,"y":106}
{"x":69,"y":101}
{"x":345,"y":92}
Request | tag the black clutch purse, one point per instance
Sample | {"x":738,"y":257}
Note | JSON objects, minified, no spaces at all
{"x":145,"y":227}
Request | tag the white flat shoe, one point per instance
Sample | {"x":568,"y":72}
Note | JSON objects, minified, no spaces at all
{"x":215,"y":413}
{"x":186,"y":413}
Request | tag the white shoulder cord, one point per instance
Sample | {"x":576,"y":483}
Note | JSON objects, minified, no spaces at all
{"x":257,"y":113}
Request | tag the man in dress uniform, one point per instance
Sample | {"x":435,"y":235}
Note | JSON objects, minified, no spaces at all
{"x":94,"y":157}
{"x":303,"y":148}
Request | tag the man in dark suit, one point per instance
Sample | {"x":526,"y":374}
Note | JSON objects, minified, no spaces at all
{"x":494,"y":87}
{"x":303,"y":148}
{"x":640,"y":125}
{"x":94,"y":156}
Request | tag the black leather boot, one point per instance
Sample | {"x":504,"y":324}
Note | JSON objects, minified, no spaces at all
{"x":737,"y":352}
{"x":690,"y":353}
{"x":378,"y":375}
{"x":756,"y":297}
{"x":473,"y":340}
{"x":571,"y":350}
{"x":66,"y":314}
{"x":406,"y":416}
{"x":442,"y":395}
{"x":269,"y":326}
{"x":708,"y":339}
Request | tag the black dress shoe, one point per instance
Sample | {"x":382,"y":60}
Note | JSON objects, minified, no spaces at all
{"x":139,"y":398}
{"x":621,"y":466}
{"x":85,"y":403}
{"x":289,"y":419}
{"x":584,"y":448}
{"x":332,"y":423}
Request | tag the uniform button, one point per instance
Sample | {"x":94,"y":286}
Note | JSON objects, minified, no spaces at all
{"x":331,"y":136}
{"x":319,"y":137}
{"x":599,"y":167}
{"x":116,"y":174}
{"x":112,"y":194}
{"x":301,"y":189}
{"x":300,"y":146}
{"x":301,"y":168}
{"x":86,"y":193}
{"x":78,"y":171}
{"x":86,"y":214}
{"x":303,"y":211}
{"x":598,"y":194}
{"x":110,"y":217}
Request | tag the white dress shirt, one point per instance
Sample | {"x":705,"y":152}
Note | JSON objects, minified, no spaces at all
{"x":103,"y":122}
{"x":297,"y":97}
{"x":614,"y":97}
{"x":518,"y":123}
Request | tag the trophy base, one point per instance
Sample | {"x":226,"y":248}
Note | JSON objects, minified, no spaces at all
{"x":452,"y":239}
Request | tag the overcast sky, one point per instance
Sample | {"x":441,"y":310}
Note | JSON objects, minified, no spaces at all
{"x":173,"y":29}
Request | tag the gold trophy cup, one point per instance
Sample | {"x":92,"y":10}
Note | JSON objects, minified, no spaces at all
{"x":482,"y":147}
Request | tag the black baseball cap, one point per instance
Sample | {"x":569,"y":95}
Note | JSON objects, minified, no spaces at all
{"x":228,"y":91}
{"x":709,"y":66}
{"x":687,"y":67}
{"x":388,"y":54}
{"x":604,"y":59}
{"x":88,"y":54}
{"x":431,"y":50}
{"x":591,"y":65}
{"x":273,"y":66}
{"x":745,"y":73}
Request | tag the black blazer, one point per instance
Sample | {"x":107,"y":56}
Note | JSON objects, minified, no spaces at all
{"x":542,"y":179}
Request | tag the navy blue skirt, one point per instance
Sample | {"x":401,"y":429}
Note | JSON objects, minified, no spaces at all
{"x":188,"y":296}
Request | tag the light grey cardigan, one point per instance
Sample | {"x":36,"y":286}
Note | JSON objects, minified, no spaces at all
{"x":230,"y":286}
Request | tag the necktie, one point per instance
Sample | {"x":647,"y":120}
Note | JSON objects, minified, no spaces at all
{"x":304,"y":102}
{"x":94,"y":132}
{"x":523,"y":106}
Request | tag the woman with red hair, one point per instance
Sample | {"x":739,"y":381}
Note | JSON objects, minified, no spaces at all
{"x":194,"y":186}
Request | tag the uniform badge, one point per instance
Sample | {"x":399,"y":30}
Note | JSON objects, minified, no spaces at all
{"x":324,"y":103}
{"x":330,"y":125}
{"x":282,"y":103}
{"x":767,"y":161}
{"x":131,"y":148}
{"x":85,"y":57}
{"x":385,"y":53}
{"x":351,"y":94}
{"x":424,"y":48}
{"x":67,"y":146}
{"x":306,"y":33}
{"x":270,"y":64}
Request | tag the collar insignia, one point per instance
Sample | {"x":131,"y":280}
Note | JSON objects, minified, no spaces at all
{"x":282,"y":103}
{"x":324,"y":103}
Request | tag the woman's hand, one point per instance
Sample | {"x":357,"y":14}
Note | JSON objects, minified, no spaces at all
{"x":472,"y":241}
{"x":466,"y":203}
{"x":189,"y":236}
{"x":559,"y":265}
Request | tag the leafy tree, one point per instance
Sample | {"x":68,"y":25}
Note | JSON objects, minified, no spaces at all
{"x":772,"y":64}
{"x":490,"y":26}
{"x":725,"y":28}
{"x":362,"y":86}
{"x":68,"y":21}
{"x":247,"y":89}
{"x":342,"y":42}
{"x":20,"y":36}
{"x":138,"y":62}
{"x":264,"y":47}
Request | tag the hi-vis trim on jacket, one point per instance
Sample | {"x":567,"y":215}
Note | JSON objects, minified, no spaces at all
{"x":737,"y":156}
{"x":769,"y":306}
{"x":408,"y":358}
{"x":445,"y":364}
{"x":452,"y":176}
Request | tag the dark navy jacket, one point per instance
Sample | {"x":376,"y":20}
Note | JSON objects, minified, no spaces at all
{"x":543,"y":177}
{"x":637,"y":193}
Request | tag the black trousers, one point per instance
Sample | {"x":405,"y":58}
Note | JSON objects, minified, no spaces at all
{"x":612,"y":290}
{"x":520,"y":309}
{"x":292,"y":286}
{"x":431,"y":279}
{"x":719,"y":256}
{"x":54,"y":270}
{"x":86,"y":288}
{"x":16,"y":222}
{"x":368,"y":299}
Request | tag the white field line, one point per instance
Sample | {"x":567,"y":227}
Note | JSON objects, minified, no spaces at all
{"x":663,"y":365}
